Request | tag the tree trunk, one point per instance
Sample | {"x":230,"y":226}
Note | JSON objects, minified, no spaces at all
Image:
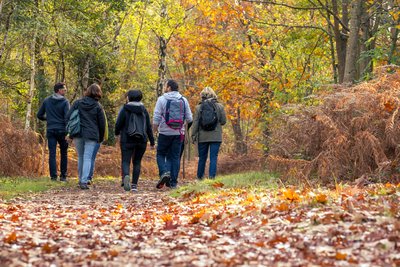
{"x":1,"y":7}
{"x":240,"y":144}
{"x":33,"y":73}
{"x":7,"y":28}
{"x":340,"y":36}
{"x":162,"y":63}
{"x":41,"y":82}
{"x":352,"y":53}
{"x":394,"y":35}
{"x":85,"y":74}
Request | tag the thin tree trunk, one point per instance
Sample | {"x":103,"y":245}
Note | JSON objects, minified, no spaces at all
{"x":394,"y":36}
{"x":162,"y":65}
{"x":138,"y":37}
{"x":8,"y":22}
{"x":33,"y":74}
{"x":1,"y":7}
{"x":85,"y":74}
{"x":352,"y":55}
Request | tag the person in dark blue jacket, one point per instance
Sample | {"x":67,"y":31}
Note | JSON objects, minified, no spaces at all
{"x":133,"y":147}
{"x":92,"y":122}
{"x":54,"y":110}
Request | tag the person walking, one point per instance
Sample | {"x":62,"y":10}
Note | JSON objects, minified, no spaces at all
{"x":96,"y":149}
{"x":134,"y":128}
{"x":54,"y":110}
{"x":92,"y":129}
{"x":171,"y":112}
{"x":207,"y":131}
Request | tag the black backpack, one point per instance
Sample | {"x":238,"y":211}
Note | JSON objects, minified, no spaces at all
{"x":208,"y":115}
{"x":136,"y":126}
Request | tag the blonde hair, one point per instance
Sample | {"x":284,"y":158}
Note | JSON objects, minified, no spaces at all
{"x":208,"y":92}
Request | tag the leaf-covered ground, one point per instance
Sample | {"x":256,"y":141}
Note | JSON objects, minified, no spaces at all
{"x":106,"y":226}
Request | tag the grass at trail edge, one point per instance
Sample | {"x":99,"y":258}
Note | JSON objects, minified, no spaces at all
{"x":11,"y":187}
{"x":250,"y":180}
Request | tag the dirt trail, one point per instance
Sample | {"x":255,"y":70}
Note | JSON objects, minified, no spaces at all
{"x":105,"y":226}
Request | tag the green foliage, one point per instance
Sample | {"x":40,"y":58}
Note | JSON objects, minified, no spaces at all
{"x":11,"y":187}
{"x":250,"y":180}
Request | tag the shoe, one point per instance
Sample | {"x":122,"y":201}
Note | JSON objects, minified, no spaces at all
{"x":54,"y":179}
{"x":168,"y":183}
{"x":89,"y":182}
{"x":83,"y":186}
{"x":127,"y":183}
{"x":163,"y":180}
{"x":63,"y":179}
{"x":134,"y":188}
{"x":173,"y":187}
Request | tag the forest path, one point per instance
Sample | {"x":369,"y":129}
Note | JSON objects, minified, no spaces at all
{"x":106,"y":226}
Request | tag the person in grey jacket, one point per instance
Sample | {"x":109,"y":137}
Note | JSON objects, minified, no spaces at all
{"x":54,"y":110}
{"x":208,"y":140}
{"x":170,"y":137}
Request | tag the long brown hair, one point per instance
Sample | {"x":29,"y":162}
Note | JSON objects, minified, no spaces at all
{"x":94,"y":91}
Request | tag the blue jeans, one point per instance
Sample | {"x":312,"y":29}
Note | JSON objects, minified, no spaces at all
{"x":168,"y":156}
{"x":96,"y":149}
{"x":84,"y":149}
{"x":54,"y":137}
{"x":203,"y":153}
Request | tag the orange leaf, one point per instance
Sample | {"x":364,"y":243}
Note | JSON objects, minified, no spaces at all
{"x":341,"y":256}
{"x":217,"y":185}
{"x":321,"y":198}
{"x":11,"y":238}
{"x":166,"y":217}
{"x":14,"y":218}
{"x":197,"y":216}
{"x":290,"y":195}
{"x":282,"y":207}
{"x":389,"y":106}
{"x":113,"y":253}
{"x":47,"y":248}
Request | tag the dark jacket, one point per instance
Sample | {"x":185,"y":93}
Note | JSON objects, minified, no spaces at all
{"x":54,"y":110}
{"x":123,"y":120}
{"x":93,"y":123}
{"x":201,"y":136}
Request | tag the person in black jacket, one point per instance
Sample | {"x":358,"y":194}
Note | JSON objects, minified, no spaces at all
{"x":133,"y":147}
{"x":92,"y":122}
{"x":54,"y":110}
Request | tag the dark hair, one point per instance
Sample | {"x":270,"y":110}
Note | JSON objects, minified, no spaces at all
{"x":173,"y":85}
{"x":58,"y":86}
{"x":135,"y":95}
{"x":94,"y":91}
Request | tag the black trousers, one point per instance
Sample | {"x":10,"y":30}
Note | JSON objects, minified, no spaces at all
{"x":132,"y":152}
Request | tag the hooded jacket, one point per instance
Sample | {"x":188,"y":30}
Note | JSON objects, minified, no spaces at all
{"x":123,"y":121}
{"x":54,"y":110}
{"x":92,"y":118}
{"x":159,"y":113}
{"x":201,"y":136}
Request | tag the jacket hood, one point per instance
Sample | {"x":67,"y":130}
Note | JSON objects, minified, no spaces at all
{"x":88,"y":103}
{"x":135,"y":107}
{"x":172,"y":95}
{"x":57,"y":97}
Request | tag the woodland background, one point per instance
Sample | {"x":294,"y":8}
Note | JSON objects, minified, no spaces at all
{"x":311,"y":87}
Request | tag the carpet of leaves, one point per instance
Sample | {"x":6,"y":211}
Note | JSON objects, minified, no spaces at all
{"x":106,"y":226}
